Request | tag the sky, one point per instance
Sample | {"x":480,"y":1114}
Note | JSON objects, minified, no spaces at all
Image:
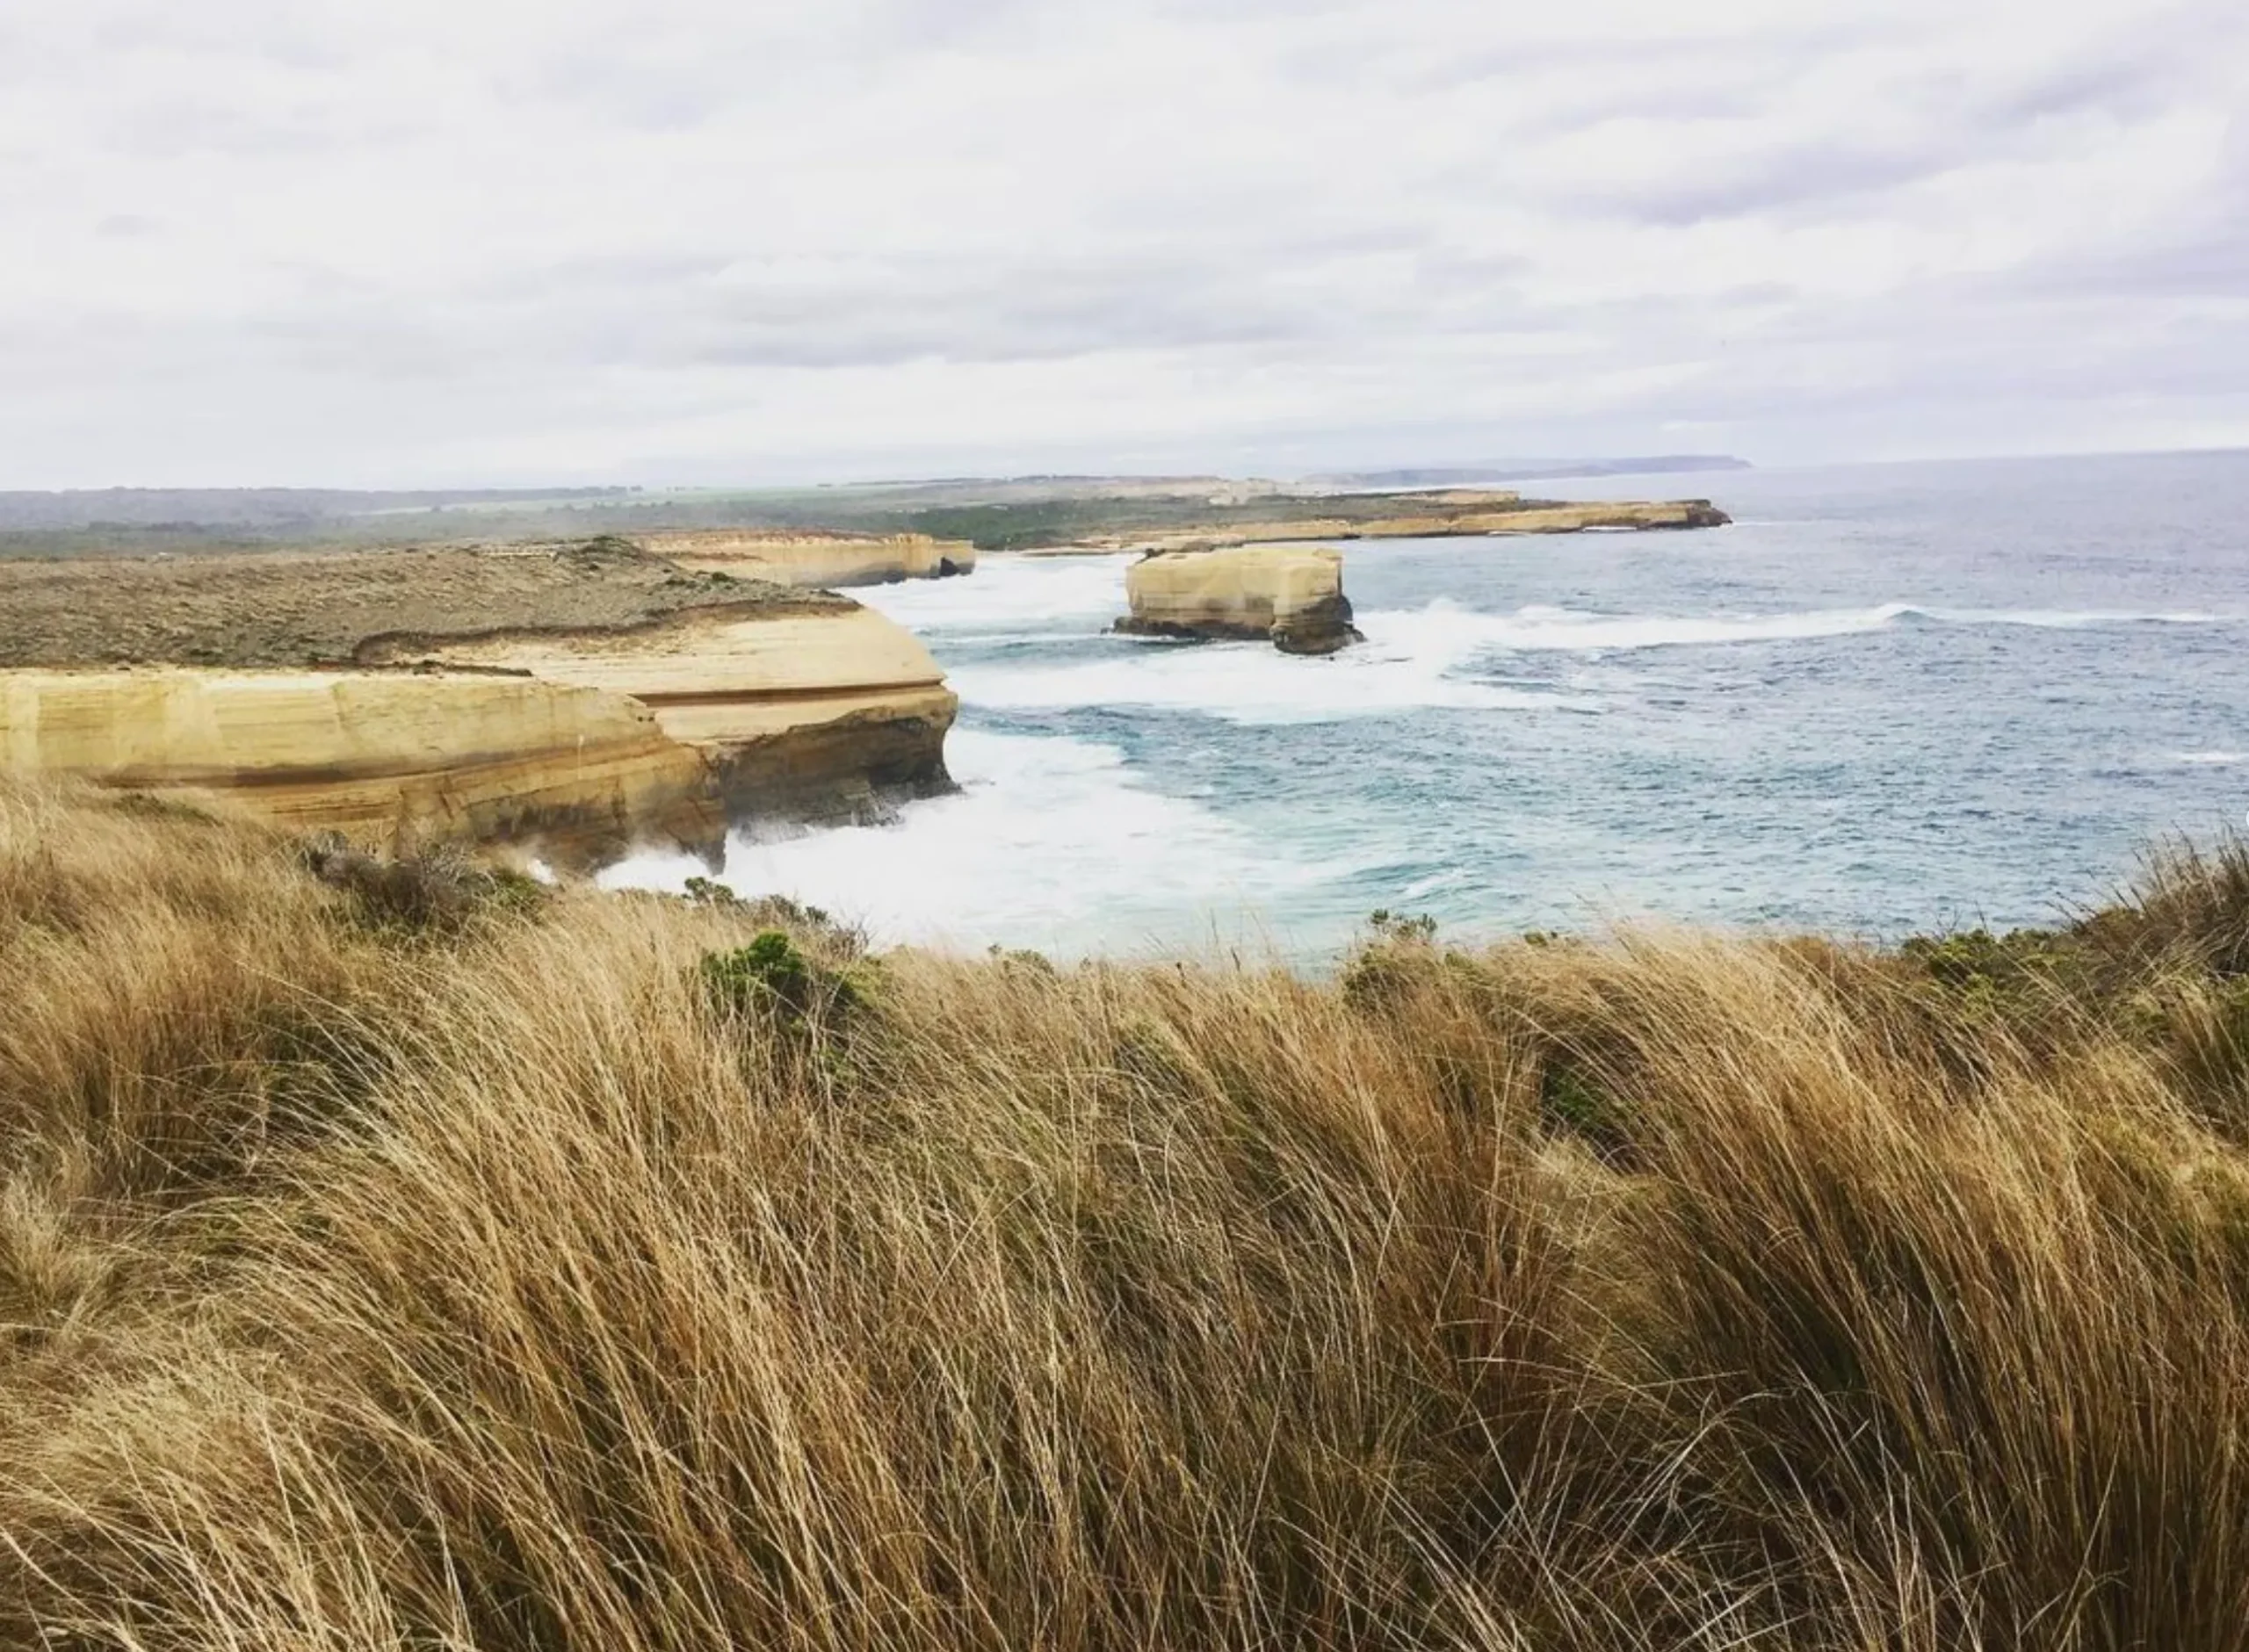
{"x":728,"y":242}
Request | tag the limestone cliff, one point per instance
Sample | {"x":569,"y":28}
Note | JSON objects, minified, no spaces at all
{"x":397,"y":757}
{"x":1449,"y":516}
{"x":812,"y":716}
{"x":1292,"y":597}
{"x":582,"y":697}
{"x":827,"y":560}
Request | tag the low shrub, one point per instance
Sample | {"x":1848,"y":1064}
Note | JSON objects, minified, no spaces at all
{"x":434,"y":892}
{"x":772,"y":976}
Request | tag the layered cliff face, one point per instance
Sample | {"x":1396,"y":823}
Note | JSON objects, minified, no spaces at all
{"x":1627,"y":515}
{"x":808,"y":716}
{"x":827,"y":560}
{"x":1294,"y":598}
{"x":577,"y":699}
{"x":395,"y":757}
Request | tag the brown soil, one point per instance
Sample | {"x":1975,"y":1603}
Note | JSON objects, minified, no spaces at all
{"x":324,"y":608}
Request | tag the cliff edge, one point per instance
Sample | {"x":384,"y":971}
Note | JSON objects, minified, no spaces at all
{"x":807,"y":559}
{"x":574,"y":698}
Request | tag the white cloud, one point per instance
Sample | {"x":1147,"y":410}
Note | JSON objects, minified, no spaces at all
{"x":485,"y":240}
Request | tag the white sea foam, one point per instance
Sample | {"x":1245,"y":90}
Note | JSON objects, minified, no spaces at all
{"x":1463,"y":633}
{"x":1050,"y":599}
{"x":1006,"y":595}
{"x":1406,"y":664}
{"x":1467,"y":633}
{"x":2215,"y":759}
{"x":1245,"y":682}
{"x":2065,"y":619}
{"x":1051,"y":842}
{"x":1412,"y":660}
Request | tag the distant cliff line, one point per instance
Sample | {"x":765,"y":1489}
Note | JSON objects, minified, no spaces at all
{"x":995,"y":514}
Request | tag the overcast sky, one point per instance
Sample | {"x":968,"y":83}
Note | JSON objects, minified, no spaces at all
{"x":462,"y":241}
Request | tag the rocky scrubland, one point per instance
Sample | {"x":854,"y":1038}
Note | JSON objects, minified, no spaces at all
{"x":399,"y":1254}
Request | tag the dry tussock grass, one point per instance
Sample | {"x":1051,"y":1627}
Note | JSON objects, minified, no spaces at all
{"x":492,"y":1284}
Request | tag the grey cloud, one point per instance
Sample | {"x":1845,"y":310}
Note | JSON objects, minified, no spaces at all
{"x":2207,"y":258}
{"x":2212,"y":265}
{"x":849,"y":233}
{"x":1827,"y":176}
{"x":622,"y":79}
{"x":198,"y":119}
{"x":2132,"y":87}
{"x":278,"y":31}
{"x":608,"y":321}
{"x":875,"y":315}
{"x":1707,"y":77}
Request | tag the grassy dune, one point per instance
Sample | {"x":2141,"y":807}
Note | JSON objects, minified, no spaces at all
{"x":391,"y":1258}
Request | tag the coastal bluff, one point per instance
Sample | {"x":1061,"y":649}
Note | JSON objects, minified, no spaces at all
{"x":575,"y":700}
{"x":1292,"y":597}
{"x":812,"y":717}
{"x":1449,"y":515}
{"x":809,"y":558}
{"x":396,"y":758}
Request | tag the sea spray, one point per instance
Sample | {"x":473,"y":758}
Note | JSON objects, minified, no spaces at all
{"x":1051,"y":842}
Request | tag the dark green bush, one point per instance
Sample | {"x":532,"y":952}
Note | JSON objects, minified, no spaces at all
{"x":772,"y":976}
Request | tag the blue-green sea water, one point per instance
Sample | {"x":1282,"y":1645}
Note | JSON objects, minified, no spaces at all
{"x":1887,"y":699}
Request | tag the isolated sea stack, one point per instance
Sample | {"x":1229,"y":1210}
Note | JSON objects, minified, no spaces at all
{"x":1292,"y":597}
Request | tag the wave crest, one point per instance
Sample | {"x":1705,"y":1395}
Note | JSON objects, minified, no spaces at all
{"x":1537,"y":628}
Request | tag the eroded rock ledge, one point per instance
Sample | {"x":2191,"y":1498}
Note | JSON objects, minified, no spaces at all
{"x":828,"y":560}
{"x":577,"y":700}
{"x":1293,"y":598}
{"x":395,"y":758}
{"x":817,"y":717}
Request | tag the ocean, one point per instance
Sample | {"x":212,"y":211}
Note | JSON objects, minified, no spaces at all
{"x":1887,"y":699}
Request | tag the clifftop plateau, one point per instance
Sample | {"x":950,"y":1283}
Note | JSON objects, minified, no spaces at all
{"x":805,"y":557}
{"x":281,"y":609}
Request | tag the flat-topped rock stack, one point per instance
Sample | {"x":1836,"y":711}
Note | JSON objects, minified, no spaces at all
{"x":577,"y":699}
{"x":1291,"y":597}
{"x":829,"y":561}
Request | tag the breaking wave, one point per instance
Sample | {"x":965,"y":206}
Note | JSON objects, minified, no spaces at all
{"x":1051,"y":842}
{"x":1538,"y":627}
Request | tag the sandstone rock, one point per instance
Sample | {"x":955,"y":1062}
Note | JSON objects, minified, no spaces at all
{"x":397,"y":757}
{"x":1292,"y":597}
{"x":810,"y":717}
{"x":828,"y":560}
{"x":582,"y":698}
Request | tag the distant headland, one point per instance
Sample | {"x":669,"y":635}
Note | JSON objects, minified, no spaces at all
{"x":992,"y":513}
